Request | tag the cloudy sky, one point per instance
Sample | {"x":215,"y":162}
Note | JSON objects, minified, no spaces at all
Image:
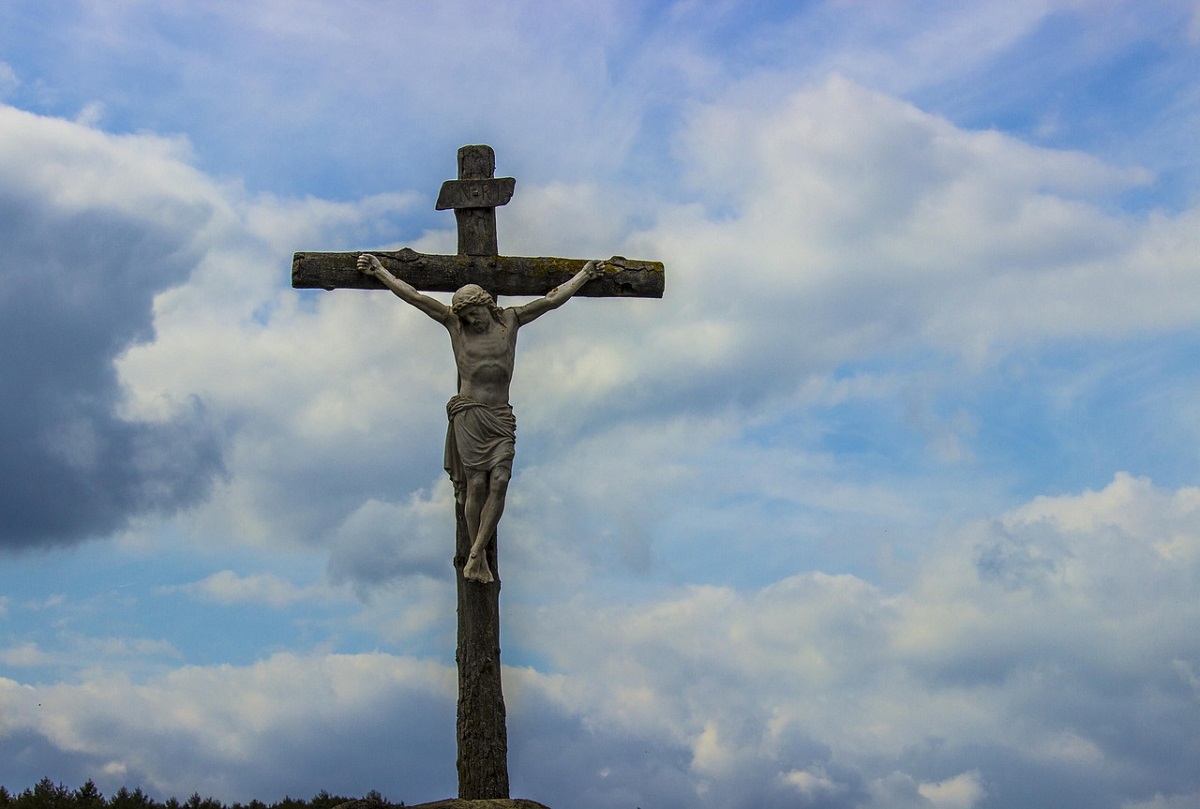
{"x":892,"y":501}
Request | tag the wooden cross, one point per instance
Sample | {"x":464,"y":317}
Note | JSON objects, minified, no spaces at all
{"x":482,"y":735}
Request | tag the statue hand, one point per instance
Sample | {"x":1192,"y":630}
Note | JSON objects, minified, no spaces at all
{"x":594,"y":269}
{"x":368,"y":264}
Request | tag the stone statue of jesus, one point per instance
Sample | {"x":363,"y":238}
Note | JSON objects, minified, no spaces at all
{"x":481,"y":437}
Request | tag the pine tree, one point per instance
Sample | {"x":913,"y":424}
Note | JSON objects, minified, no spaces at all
{"x":45,"y":795}
{"x":89,"y":797}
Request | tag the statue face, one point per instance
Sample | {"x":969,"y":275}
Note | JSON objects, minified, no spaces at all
{"x":476,"y":317}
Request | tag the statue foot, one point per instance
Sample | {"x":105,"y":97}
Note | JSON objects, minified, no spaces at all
{"x":476,"y":569}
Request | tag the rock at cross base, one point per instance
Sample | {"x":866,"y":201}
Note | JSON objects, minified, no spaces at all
{"x":451,"y":803}
{"x":485,"y":803}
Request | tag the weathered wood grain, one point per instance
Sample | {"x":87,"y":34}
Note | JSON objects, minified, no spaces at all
{"x":500,"y":275}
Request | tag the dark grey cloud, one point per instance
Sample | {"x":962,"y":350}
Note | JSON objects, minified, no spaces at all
{"x":29,"y":757}
{"x":76,"y":288}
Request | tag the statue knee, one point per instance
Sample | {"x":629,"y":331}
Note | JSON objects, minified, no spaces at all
{"x":499,"y":479}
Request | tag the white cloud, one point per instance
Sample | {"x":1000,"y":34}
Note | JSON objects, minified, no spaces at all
{"x":68,"y":648}
{"x":875,"y":224}
{"x":160,"y":188}
{"x":960,"y":792}
{"x":225,"y":720}
{"x":8,"y":79}
{"x":129,"y":647}
{"x":975,"y":655}
{"x":227,"y":587}
{"x":1161,"y":801}
{"x":24,"y":654}
{"x":1130,"y":504}
{"x":813,"y":784}
{"x":91,"y":114}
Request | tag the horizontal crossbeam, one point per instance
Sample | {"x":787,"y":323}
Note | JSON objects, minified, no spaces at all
{"x":500,"y":275}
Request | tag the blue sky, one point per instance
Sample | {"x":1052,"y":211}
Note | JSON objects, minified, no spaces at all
{"x":893,"y":500}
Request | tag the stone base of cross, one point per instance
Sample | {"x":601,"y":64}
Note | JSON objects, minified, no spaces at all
{"x":481,"y":730}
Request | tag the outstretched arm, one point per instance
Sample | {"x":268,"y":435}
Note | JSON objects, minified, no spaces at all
{"x":369,"y":265}
{"x":560,"y":294}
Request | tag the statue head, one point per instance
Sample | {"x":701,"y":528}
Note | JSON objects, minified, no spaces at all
{"x":473,"y":295}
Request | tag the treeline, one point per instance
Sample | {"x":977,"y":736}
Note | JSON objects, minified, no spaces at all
{"x":48,"y":795}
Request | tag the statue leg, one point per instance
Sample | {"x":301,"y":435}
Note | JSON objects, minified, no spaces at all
{"x":476,"y":496}
{"x":492,"y":509}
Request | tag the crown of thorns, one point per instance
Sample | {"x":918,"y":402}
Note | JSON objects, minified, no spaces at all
{"x":471,"y":295}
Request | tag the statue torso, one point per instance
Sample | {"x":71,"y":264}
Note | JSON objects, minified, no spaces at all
{"x":485,"y":358}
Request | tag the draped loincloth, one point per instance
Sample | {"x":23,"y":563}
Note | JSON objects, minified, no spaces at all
{"x":479,"y":437}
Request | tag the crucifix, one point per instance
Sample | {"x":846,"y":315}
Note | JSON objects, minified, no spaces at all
{"x":480,"y":440}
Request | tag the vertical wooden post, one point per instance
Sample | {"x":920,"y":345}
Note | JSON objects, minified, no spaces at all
{"x":476,"y":226}
{"x":482,"y":729}
{"x":482,"y":733}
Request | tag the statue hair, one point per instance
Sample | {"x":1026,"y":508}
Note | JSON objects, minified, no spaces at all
{"x":473,"y":295}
